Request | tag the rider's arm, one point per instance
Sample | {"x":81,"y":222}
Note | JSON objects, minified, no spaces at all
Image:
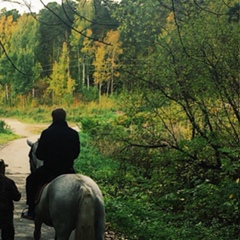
{"x":41,"y":152}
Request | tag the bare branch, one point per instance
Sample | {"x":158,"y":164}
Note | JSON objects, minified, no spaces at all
{"x":74,"y":29}
{"x":9,"y":59}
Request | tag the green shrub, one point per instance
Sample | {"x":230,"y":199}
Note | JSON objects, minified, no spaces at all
{"x":4,"y":128}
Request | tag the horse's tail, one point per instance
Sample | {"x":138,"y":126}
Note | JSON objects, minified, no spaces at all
{"x":85,"y":226}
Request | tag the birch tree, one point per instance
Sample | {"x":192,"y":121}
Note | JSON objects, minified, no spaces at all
{"x":61,"y":84}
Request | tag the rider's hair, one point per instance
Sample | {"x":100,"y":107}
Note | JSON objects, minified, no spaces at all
{"x":59,"y":114}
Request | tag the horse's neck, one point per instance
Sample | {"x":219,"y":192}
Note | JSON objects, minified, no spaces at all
{"x":39,"y":163}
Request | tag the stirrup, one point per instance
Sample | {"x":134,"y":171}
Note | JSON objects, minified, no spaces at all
{"x":25,"y":214}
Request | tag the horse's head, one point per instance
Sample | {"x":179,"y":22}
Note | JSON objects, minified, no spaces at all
{"x":34,"y":162}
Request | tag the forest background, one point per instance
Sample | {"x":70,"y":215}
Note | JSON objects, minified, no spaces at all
{"x":154,"y":86}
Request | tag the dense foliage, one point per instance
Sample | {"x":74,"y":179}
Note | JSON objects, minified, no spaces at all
{"x":167,"y":151}
{"x":6,"y":134}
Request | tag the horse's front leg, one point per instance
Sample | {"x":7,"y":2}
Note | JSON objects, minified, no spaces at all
{"x":37,"y":230}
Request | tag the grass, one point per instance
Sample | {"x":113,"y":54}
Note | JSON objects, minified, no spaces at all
{"x":6,"y":134}
{"x":127,"y":207}
{"x":7,"y":137}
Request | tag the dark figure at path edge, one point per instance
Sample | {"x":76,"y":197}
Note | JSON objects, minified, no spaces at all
{"x":8,"y":193}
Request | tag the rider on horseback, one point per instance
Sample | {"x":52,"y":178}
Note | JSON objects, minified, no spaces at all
{"x":58,"y":147}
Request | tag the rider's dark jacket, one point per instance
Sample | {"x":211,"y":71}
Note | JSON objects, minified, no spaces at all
{"x":58,"y":146}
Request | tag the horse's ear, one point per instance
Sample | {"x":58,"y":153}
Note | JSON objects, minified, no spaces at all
{"x":29,"y":143}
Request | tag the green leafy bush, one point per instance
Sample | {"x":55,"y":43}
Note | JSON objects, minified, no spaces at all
{"x":4,"y":128}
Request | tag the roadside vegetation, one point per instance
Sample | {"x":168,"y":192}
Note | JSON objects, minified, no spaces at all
{"x":6,"y":134}
{"x":148,"y":194}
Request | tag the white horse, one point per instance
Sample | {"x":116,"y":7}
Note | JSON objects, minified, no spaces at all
{"x":70,"y":202}
{"x":34,"y":162}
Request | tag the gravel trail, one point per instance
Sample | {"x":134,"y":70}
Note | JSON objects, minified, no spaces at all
{"x":15,"y":154}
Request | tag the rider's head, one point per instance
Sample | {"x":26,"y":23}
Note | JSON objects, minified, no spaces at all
{"x":58,"y":115}
{"x":2,"y":166}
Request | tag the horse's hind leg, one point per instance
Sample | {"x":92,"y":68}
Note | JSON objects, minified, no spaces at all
{"x":62,"y":234}
{"x":37,"y":231}
{"x":62,"y":237}
{"x":100,"y":220}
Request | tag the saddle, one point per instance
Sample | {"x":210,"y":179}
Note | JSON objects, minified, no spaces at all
{"x":39,"y":194}
{"x":41,"y":187}
{"x":26,"y":213}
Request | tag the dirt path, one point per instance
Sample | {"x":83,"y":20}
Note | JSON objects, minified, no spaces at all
{"x":15,"y":154}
